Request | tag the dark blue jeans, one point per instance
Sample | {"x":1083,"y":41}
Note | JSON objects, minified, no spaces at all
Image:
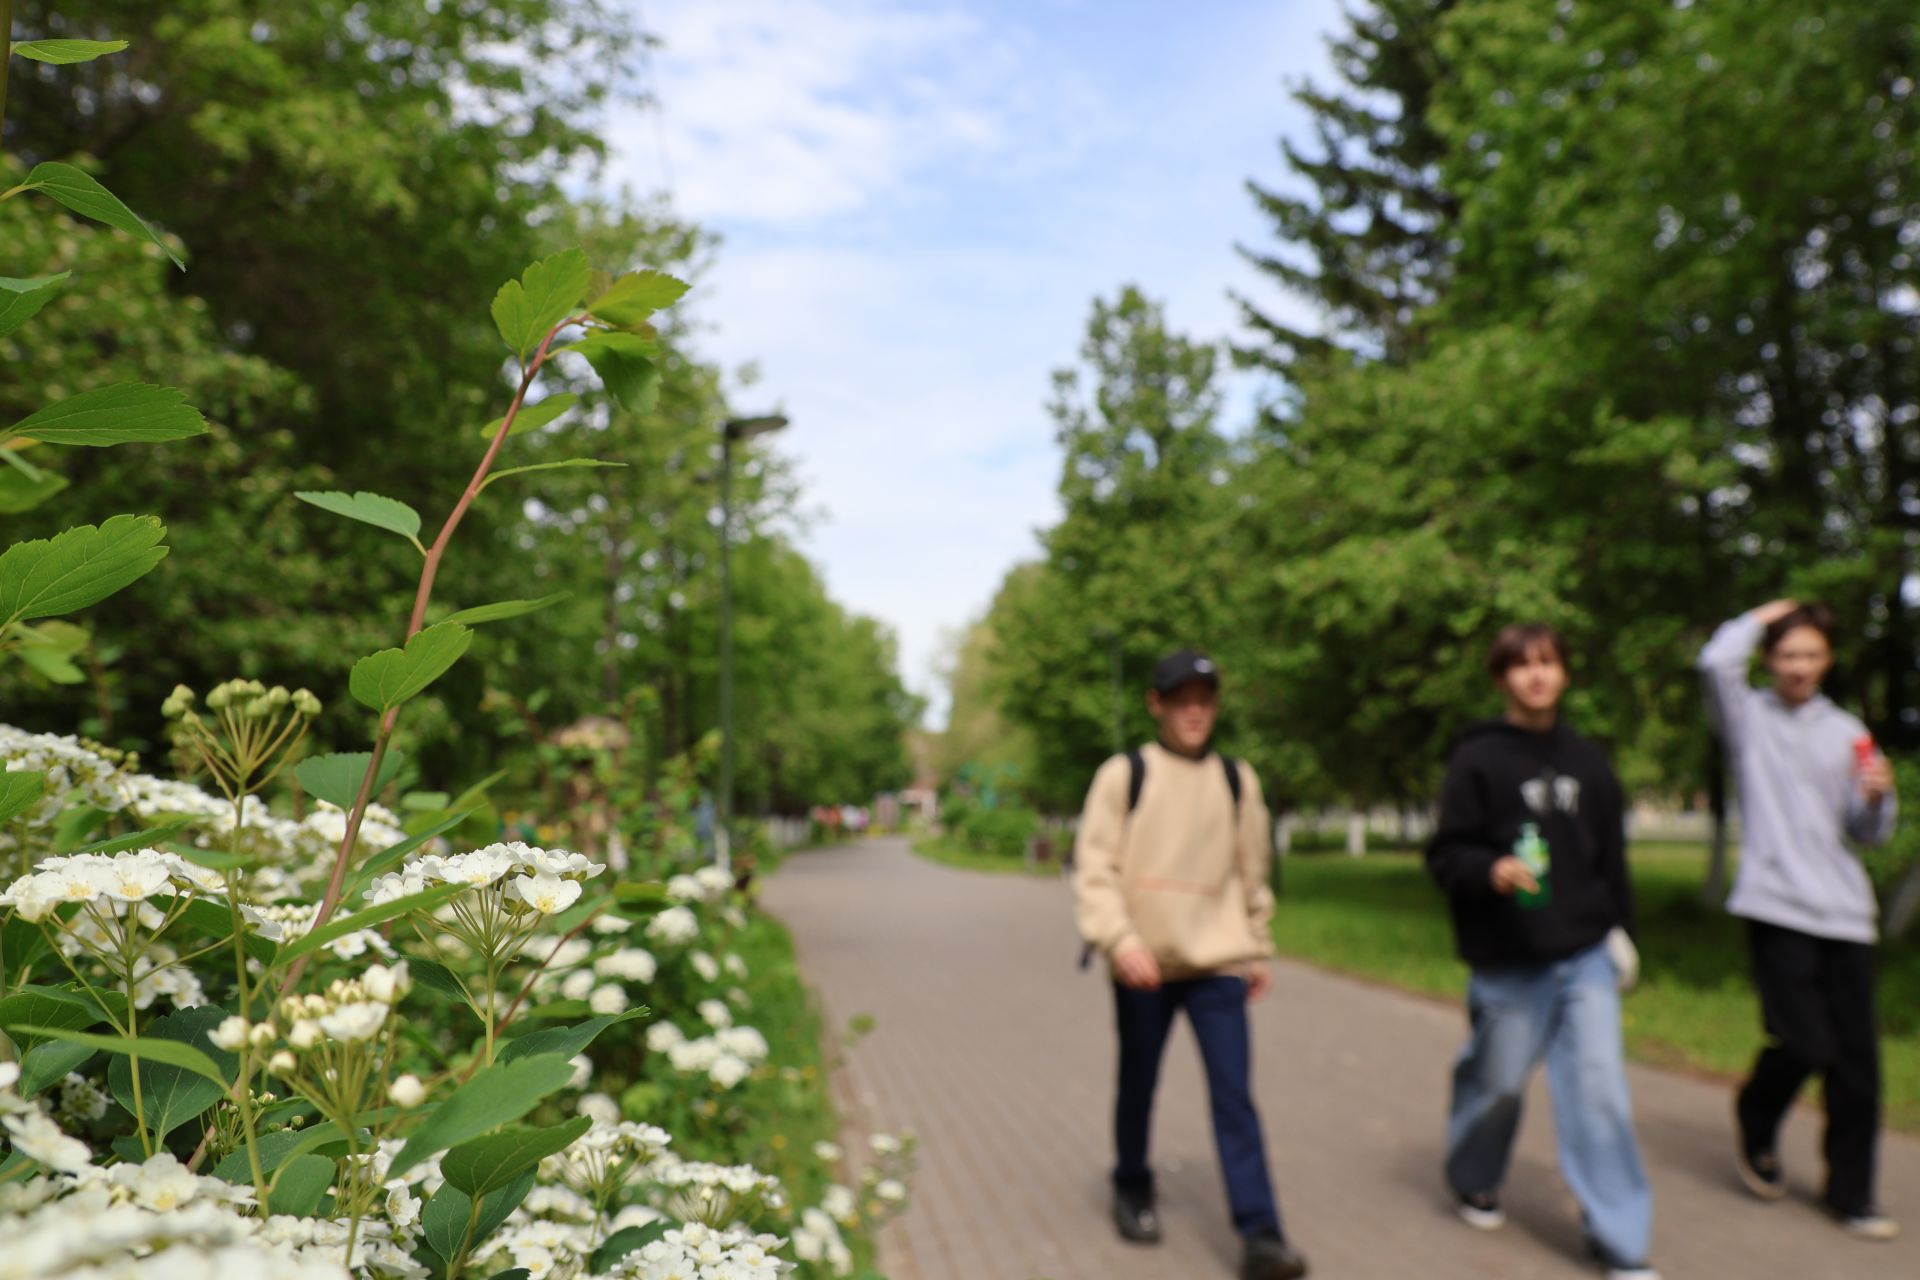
{"x":1217,"y":1008}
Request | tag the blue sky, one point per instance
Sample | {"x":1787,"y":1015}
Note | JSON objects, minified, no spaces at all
{"x":918,"y":202}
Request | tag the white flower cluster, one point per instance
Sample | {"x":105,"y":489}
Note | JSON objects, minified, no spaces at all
{"x":726,"y":1057}
{"x":676,"y":926}
{"x":816,"y":1238}
{"x":708,"y":884}
{"x":700,"y":1251}
{"x":350,"y":1011}
{"x":76,"y":773}
{"x":284,"y":922}
{"x":529,"y":878}
{"x":107,"y":882}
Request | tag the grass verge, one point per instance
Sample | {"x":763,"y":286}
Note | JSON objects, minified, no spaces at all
{"x":951,"y":853}
{"x":1381,"y":918}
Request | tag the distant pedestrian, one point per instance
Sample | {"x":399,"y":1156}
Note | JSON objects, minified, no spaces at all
{"x":1170,"y":882}
{"x":1531,"y":851}
{"x":1810,"y":781}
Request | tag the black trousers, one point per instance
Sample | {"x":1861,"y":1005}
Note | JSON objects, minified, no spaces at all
{"x":1816,"y":995}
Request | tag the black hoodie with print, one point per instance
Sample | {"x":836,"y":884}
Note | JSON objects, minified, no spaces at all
{"x":1500,"y":778}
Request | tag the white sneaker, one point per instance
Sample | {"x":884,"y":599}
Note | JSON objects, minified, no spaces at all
{"x":1632,"y":1273}
{"x":1481,"y":1211}
{"x":1877,"y":1227}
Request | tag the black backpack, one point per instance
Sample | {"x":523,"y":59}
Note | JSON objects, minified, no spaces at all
{"x":1136,"y":780}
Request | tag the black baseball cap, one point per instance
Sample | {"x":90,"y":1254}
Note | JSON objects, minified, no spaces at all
{"x":1186,"y":666}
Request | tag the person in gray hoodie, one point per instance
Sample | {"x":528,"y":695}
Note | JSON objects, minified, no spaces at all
{"x":1810,"y":783}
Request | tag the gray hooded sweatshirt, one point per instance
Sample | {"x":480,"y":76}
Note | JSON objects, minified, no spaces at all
{"x":1800,"y":800}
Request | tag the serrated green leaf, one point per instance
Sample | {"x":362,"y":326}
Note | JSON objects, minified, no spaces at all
{"x":38,"y":1006}
{"x":625,"y":1241}
{"x":480,"y":1166}
{"x":146,"y":1048}
{"x":21,"y":299}
{"x":80,"y":567}
{"x":388,"y":678}
{"x":21,"y":490}
{"x":62,"y":52}
{"x":341,"y":926}
{"x":547,"y":466}
{"x":125,"y":413}
{"x":535,"y":415}
{"x":336,"y":778}
{"x":500,"y":610}
{"x":635,"y":296}
{"x":565,"y":1041}
{"x":79,"y":192}
{"x":175,"y":1090}
{"x":544,"y":295}
{"x":20,"y":790}
{"x":375,"y":509}
{"x":625,"y":364}
{"x":496,"y":1095}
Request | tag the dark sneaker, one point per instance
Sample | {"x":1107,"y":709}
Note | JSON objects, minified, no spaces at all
{"x":1759,"y":1169}
{"x":1134,"y":1215}
{"x":1269,"y":1257}
{"x":1481,"y":1211}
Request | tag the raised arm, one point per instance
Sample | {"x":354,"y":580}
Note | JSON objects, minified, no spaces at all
{"x":1256,"y":857}
{"x":1100,"y":909}
{"x":1724,"y":663}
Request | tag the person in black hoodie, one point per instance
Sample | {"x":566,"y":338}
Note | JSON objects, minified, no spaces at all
{"x":1531,"y":851}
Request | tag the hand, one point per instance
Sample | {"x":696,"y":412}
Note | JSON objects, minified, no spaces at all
{"x":1768,"y":614}
{"x":1134,"y":966}
{"x":1510,"y":875}
{"x":1876,"y":779}
{"x":1259,"y":980}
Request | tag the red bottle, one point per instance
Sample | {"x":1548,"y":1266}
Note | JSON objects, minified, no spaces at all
{"x":1863,"y":750}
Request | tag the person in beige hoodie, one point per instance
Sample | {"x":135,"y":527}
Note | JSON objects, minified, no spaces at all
{"x":1170,"y":884}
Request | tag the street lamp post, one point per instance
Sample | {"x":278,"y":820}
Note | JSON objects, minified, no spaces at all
{"x":732,"y":432}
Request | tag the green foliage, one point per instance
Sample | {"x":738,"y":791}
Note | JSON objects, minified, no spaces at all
{"x":390,"y":677}
{"x":19,"y":790}
{"x":336,"y":778}
{"x":525,"y":309}
{"x":60,"y":52}
{"x":172,"y":1093}
{"x":494,"y":1096}
{"x":81,"y":193}
{"x":484,"y":1165}
{"x":21,"y":300}
{"x":375,"y":509}
{"x":128,"y":413}
{"x":80,"y":567}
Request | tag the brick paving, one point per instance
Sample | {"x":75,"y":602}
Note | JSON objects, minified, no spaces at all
{"x":992,"y":1047}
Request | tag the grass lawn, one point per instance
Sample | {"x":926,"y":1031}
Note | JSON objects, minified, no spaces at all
{"x":1379,"y":917}
{"x":950,"y":852}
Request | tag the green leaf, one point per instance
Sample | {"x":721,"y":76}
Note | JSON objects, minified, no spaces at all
{"x":125,"y":413}
{"x":275,"y":1148}
{"x":544,"y":295}
{"x":500,"y":610}
{"x":61,"y":52}
{"x":336,"y":778}
{"x":547,"y":466}
{"x":80,"y":567}
{"x":50,"y":649}
{"x":80,"y":193}
{"x":496,"y":1095}
{"x":38,"y":1006}
{"x":625,"y":365}
{"x":482,"y":1165}
{"x":22,"y":945}
{"x":299,"y":1185}
{"x":48,"y":1064}
{"x":534,"y":416}
{"x":375,"y":509}
{"x":146,"y":838}
{"x":20,"y":790}
{"x":181,"y":1084}
{"x":22,"y":492}
{"x":635,"y":296}
{"x":205,"y":917}
{"x":625,"y":1241}
{"x":444,"y":1220}
{"x":21,"y":299}
{"x":564,"y":1041}
{"x":388,"y":678}
{"x":436,"y":977}
{"x":341,"y":926}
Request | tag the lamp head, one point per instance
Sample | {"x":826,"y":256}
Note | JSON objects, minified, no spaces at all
{"x":738,"y":429}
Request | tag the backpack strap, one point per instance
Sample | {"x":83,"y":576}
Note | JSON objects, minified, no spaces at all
{"x":1232,"y":767}
{"x":1137,"y":778}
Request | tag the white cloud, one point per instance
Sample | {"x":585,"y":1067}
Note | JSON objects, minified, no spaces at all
{"x":918,"y":201}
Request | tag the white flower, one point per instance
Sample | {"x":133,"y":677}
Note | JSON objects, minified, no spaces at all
{"x":715,"y":1013}
{"x":685,"y":888}
{"x":714,"y":880}
{"x":662,"y":1036}
{"x":546,"y":894}
{"x":891,"y":1190}
{"x":608,"y":1000}
{"x":163,"y":1183}
{"x":476,"y":869}
{"x":841,"y":1203}
{"x":39,"y":1138}
{"x":630,"y":964}
{"x":745,"y":1042}
{"x":407,"y":1090}
{"x":884,"y":1144}
{"x":282,"y":1061}
{"x":385,"y":984}
{"x":826,"y":1152}
{"x":582,"y":1071}
{"x":673,"y":926}
{"x":728,"y":1070}
{"x":735,"y":965}
{"x":705,"y":965}
{"x":231,"y":1034}
{"x":357,"y":1021}
{"x":578,"y":984}
{"x":599,"y":1107}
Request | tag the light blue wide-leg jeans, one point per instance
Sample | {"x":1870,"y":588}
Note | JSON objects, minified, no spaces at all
{"x":1567,"y":1012}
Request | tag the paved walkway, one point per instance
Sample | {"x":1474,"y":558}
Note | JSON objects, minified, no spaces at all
{"x":998,"y":1053}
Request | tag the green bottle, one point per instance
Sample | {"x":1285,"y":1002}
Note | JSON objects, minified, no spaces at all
{"x":1533,"y":851}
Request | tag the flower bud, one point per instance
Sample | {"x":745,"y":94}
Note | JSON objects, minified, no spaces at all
{"x":407,"y":1090}
{"x":305,"y":702}
{"x":282,"y":1062}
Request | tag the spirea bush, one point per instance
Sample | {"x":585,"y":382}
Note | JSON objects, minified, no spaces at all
{"x":252,"y":1024}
